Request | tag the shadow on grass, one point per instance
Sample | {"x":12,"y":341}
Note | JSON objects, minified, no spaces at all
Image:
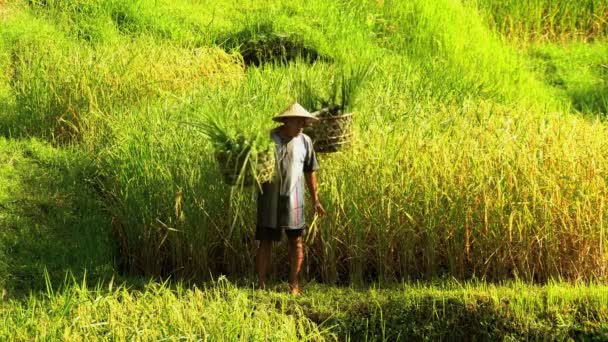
{"x":261,"y":43}
{"x":591,"y":100}
{"x":49,"y":217}
{"x":579,"y":74}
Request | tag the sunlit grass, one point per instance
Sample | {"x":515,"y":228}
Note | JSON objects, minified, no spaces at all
{"x":222,"y":311}
{"x":547,"y":20}
{"x":465,"y":163}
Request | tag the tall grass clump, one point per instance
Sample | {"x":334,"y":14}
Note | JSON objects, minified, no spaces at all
{"x":57,"y":90}
{"x":185,"y":23}
{"x":480,"y":190}
{"x":453,"y":51}
{"x":173,"y":213}
{"x":547,"y":20}
{"x":487,"y":193}
{"x":16,"y":29}
{"x":440,"y":183}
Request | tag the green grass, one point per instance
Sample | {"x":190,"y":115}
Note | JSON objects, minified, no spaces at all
{"x":50,"y":218}
{"x":479,"y":154}
{"x":578,"y":72}
{"x":470,"y":160}
{"x":222,"y":311}
{"x":545,"y":20}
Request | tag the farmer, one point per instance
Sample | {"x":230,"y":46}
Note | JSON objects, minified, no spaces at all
{"x":281,"y":201}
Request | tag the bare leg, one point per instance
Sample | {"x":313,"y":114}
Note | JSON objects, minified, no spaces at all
{"x":261,"y":262}
{"x":296,"y":256}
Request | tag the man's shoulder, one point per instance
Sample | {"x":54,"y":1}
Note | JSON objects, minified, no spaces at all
{"x":306,"y":138}
{"x":307,"y":142}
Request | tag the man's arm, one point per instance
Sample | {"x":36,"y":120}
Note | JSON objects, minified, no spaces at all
{"x":311,"y":181}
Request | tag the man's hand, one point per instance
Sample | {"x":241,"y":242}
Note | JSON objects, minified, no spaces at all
{"x":319,"y":210}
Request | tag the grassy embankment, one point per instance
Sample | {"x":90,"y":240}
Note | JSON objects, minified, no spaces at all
{"x":467,"y":163}
{"x":221,"y":311}
{"x":477,"y":155}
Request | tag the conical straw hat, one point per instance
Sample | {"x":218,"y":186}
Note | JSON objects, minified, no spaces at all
{"x":295,"y":111}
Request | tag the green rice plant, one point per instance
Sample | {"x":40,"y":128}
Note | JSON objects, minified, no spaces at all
{"x":57,"y":93}
{"x":547,"y":20}
{"x":343,"y":91}
{"x":242,"y":161}
{"x":439,"y":182}
{"x":103,"y":21}
{"x":334,"y":130}
{"x":350,"y":86}
{"x":577,"y":72}
{"x":51,"y":216}
{"x":467,"y":164}
{"x":167,"y":173}
{"x":307,"y":96}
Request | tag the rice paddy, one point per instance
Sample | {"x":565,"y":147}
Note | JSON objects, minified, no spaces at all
{"x":478,"y":150}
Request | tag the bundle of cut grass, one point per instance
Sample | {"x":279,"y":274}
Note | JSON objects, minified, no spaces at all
{"x":334,"y":129}
{"x":242,"y":160}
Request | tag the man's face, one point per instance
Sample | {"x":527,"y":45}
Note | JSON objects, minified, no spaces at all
{"x":294,"y":126}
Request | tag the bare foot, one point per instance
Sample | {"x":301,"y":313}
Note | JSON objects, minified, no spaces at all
{"x":294,"y":289}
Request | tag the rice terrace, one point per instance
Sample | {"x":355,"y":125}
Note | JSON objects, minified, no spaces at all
{"x":461,"y":189}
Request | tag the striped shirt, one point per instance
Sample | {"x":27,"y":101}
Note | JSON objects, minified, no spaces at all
{"x":281,"y":202}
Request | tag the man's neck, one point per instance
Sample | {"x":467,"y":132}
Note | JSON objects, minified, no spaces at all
{"x":283,"y":134}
